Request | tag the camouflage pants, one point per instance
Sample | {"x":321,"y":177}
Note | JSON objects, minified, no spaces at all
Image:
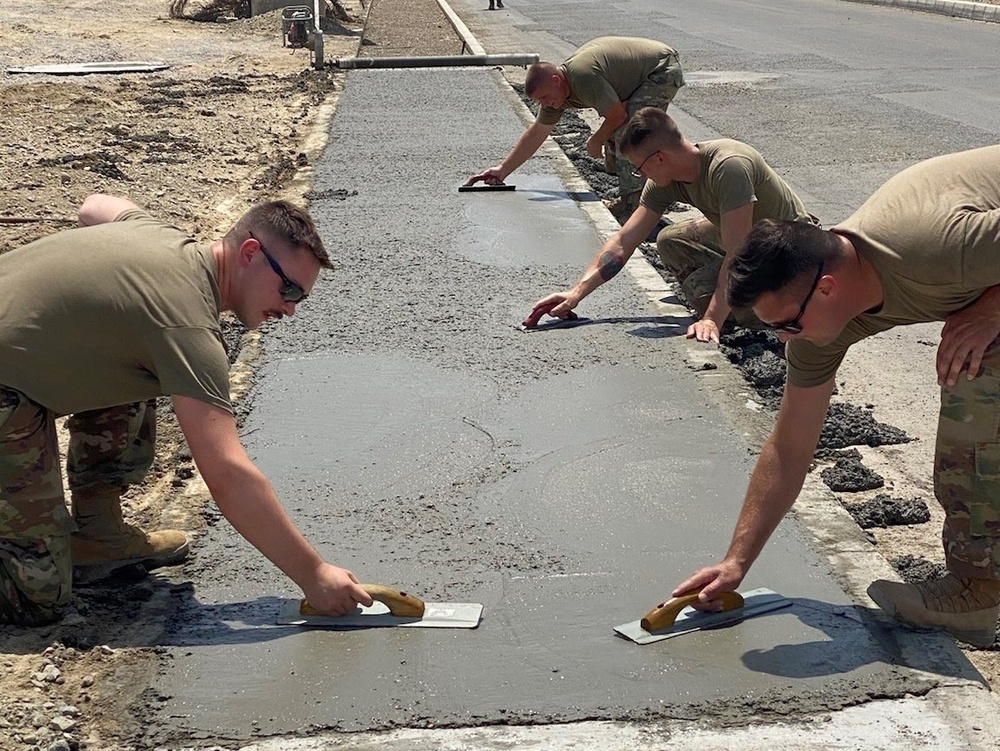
{"x":967,"y":472}
{"x":692,"y":251}
{"x":658,"y":90}
{"x":108,"y":449}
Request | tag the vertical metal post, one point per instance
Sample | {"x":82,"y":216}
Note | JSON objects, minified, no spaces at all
{"x":317,"y":37}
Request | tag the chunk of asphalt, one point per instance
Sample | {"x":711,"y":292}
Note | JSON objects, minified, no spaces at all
{"x":851,"y":476}
{"x":848,"y":425}
{"x":915,"y":569}
{"x":886,"y":511}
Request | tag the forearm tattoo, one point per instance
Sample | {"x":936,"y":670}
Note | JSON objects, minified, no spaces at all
{"x":609,"y":265}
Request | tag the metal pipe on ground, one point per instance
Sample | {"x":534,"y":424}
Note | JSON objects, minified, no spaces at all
{"x":436,"y":61}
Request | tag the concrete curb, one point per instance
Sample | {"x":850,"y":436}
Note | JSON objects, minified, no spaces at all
{"x":469,"y":42}
{"x":957,"y":8}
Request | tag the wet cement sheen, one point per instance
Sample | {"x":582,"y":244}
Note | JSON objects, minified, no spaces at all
{"x":565,"y":479}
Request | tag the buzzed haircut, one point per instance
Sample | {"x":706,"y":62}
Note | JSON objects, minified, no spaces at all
{"x":280,"y":224}
{"x":776,"y":254}
{"x":650,"y":125}
{"x":537,"y":76}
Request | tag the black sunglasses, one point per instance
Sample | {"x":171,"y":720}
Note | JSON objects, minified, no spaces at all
{"x":637,"y":172}
{"x":290,"y":291}
{"x":792,"y":326}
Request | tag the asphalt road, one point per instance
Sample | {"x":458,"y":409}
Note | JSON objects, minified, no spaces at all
{"x":566,"y":479}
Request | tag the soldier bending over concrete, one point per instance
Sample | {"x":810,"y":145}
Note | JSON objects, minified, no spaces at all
{"x":617,"y":76}
{"x":728,"y":181}
{"x":924,"y":247}
{"x":95,"y":323}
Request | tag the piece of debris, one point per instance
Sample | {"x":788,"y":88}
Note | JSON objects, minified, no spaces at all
{"x":886,"y":511}
{"x":914,"y":569}
{"x":84,"y":69}
{"x":848,"y":425}
{"x":851,"y":476}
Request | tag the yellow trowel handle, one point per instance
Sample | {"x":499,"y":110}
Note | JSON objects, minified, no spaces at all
{"x":399,"y":603}
{"x":664,"y":614}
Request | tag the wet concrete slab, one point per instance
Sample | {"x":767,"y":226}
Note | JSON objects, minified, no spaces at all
{"x":493,"y":238}
{"x":565,"y":479}
{"x":626,"y":501}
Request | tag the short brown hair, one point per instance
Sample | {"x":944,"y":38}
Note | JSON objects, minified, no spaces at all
{"x":775,"y":255}
{"x":281,"y":224}
{"x":650,"y":124}
{"x":537,"y":76}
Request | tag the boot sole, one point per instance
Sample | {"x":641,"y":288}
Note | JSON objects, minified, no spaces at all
{"x":981,"y":639}
{"x":91,"y":572}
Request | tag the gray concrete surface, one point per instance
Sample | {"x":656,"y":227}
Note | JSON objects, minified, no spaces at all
{"x":566,"y":478}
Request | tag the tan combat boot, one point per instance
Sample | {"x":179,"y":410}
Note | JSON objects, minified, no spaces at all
{"x":104,"y":543}
{"x":966,"y":608}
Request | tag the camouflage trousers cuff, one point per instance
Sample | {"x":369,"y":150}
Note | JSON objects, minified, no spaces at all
{"x":36,"y":580}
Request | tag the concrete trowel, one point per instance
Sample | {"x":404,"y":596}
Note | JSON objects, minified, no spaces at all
{"x":676,"y":617}
{"x":391,"y":608}
{"x":481,"y":187}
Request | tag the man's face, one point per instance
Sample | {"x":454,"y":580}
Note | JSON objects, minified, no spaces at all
{"x":651,"y":163}
{"x":810,"y":314}
{"x":268,"y":288}
{"x":551,"y":93}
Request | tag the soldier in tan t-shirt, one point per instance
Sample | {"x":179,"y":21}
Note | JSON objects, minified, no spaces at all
{"x":924,"y":247}
{"x":95,"y":323}
{"x":728,"y":181}
{"x":617,"y":76}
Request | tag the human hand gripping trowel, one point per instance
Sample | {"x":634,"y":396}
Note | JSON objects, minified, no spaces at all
{"x":676,"y":617}
{"x":391,"y":608}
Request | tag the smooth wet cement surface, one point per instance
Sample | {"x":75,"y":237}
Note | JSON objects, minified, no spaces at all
{"x":566,"y":479}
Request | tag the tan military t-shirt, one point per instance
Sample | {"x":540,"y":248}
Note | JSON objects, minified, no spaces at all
{"x":112,"y":314}
{"x":608,"y":70}
{"x":732,"y":174}
{"x":932,"y":233}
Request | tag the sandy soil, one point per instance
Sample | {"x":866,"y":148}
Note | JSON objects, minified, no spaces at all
{"x":236,"y":119}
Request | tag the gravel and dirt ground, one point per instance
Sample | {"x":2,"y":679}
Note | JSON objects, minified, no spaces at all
{"x":238,"y":118}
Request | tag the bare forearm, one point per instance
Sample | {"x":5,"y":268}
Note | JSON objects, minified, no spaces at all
{"x":608,"y":262}
{"x":718,"y":308}
{"x":614,"y":118}
{"x":615,"y":253}
{"x":606,"y":132}
{"x":526,"y":146}
{"x":251,"y":506}
{"x":774,"y":486}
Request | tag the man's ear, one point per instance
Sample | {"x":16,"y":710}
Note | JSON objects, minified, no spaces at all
{"x":827,"y":286}
{"x":246,"y":251}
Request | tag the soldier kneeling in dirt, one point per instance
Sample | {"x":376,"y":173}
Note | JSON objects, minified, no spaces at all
{"x":95,"y":323}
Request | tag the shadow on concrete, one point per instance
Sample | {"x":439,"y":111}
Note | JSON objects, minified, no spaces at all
{"x":561,"y":195}
{"x":661,"y":327}
{"x":841,"y":652}
{"x":244,"y":622}
{"x":331,"y":27}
